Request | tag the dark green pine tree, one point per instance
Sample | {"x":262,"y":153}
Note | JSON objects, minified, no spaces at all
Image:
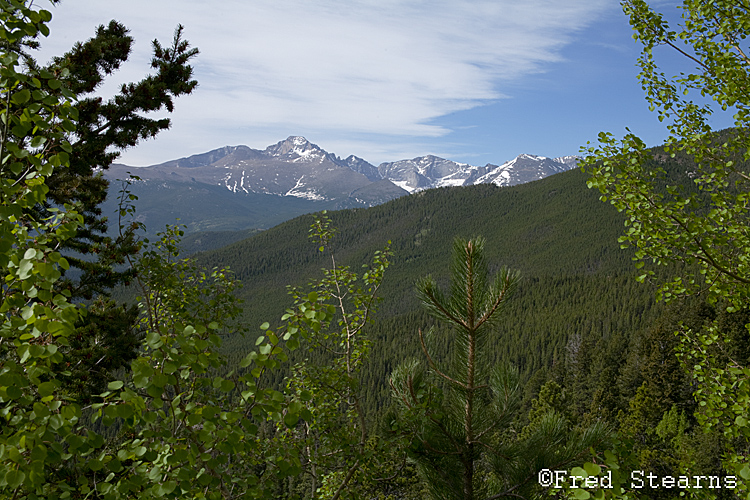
{"x":458,"y":417}
{"x":106,"y":338}
{"x":105,"y":129}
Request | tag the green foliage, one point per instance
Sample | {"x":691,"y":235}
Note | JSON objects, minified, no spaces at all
{"x":551,"y":399}
{"x":185,"y":430}
{"x":36,"y":117}
{"x":699,"y":224}
{"x":459,"y":418}
{"x":706,"y":226}
{"x":450,"y":429}
{"x":336,"y":444}
{"x":106,"y":340}
{"x":101,"y":131}
{"x":104,"y":128}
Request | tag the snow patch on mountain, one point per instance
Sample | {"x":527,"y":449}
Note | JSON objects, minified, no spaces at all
{"x":299,"y":191}
{"x":298,"y":168}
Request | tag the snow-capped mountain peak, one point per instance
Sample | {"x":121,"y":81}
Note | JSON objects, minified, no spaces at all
{"x":526,"y":156}
{"x":568,"y":160}
{"x":431,"y":171}
{"x":297,"y":149}
{"x":295,"y":167}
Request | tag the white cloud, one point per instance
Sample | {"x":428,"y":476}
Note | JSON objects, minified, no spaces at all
{"x":385,"y":67}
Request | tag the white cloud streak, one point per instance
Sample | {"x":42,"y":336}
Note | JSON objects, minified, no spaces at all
{"x":386,"y":67}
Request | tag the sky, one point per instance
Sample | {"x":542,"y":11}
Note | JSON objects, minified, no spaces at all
{"x":474,"y":81}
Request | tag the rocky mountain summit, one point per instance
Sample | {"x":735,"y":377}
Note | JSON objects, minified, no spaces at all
{"x":237,"y":187}
{"x":293,"y":167}
{"x":299,"y":168}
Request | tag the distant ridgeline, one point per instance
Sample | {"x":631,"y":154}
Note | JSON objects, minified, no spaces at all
{"x":239,"y":188}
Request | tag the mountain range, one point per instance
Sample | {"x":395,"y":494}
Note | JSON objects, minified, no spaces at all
{"x":237,"y":187}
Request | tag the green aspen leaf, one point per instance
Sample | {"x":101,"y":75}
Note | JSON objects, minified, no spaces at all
{"x":111,"y":411}
{"x":115,"y":385}
{"x":295,"y":407}
{"x":38,"y":141}
{"x":95,"y":464}
{"x":23,"y":353}
{"x":248,"y":394}
{"x":24,"y":269}
{"x":124,"y":411}
{"x":14,"y":478}
{"x":153,"y":340}
{"x":37,"y":351}
{"x":39,"y":453}
{"x":154,"y":473}
{"x":140,"y":380}
{"x":70,"y":412}
{"x":581,"y":494}
{"x":21,"y":96}
{"x":115,"y":465}
{"x":578,"y":471}
{"x":169,"y":486}
{"x":63,"y":263}
{"x":248,"y":360}
{"x":47,"y":388}
{"x":155,"y":391}
{"x":160,"y":380}
{"x":592,"y":469}
{"x":40,"y":411}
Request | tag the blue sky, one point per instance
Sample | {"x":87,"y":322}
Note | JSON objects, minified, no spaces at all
{"x":477,"y":81}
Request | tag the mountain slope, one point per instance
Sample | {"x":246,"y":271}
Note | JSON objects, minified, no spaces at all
{"x":427,"y":172}
{"x":206,"y":207}
{"x":577,"y":284}
{"x":293,"y":168}
{"x":546,"y":227}
{"x":302,"y":177}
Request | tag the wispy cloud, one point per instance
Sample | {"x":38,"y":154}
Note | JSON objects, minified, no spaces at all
{"x":385,"y":67}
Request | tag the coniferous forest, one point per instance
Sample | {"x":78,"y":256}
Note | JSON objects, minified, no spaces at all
{"x":582,"y":336}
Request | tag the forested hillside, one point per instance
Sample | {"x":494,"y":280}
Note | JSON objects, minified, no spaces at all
{"x":589,"y":342}
{"x":588,"y":339}
{"x":455,"y":344}
{"x":577,"y":291}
